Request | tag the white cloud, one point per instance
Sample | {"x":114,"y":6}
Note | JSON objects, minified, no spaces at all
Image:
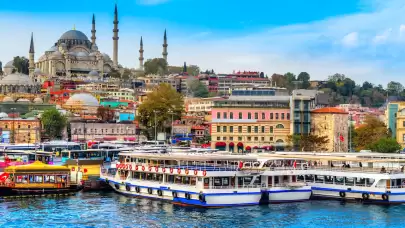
{"x":402,"y":30}
{"x":351,"y":39}
{"x":151,"y":2}
{"x":383,"y":37}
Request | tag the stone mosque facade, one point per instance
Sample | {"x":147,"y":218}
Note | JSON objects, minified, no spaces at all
{"x":74,"y":56}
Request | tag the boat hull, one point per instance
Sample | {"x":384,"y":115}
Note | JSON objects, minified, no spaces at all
{"x":6,"y":191}
{"x":217,"y":199}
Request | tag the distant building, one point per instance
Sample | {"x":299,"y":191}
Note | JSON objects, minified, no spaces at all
{"x":20,"y":130}
{"x":333,"y":123}
{"x":85,"y":131}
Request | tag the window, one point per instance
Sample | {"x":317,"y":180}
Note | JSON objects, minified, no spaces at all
{"x":262,"y":138}
{"x":249,"y":138}
{"x":271,"y":116}
{"x":231,"y":129}
{"x":249,"y":115}
{"x":218,"y":138}
{"x":231,"y":138}
{"x":279,"y":126}
{"x":240,"y":115}
{"x":276,"y":116}
{"x":256,"y":138}
{"x":282,"y":116}
{"x":271,"y":129}
{"x":256,"y":129}
{"x":249,"y":130}
{"x":224,"y":128}
{"x":403,"y":124}
{"x":218,"y":128}
{"x":6,"y":126}
{"x":256,"y":116}
{"x":240,"y":129}
{"x":29,"y":126}
{"x":262,"y":129}
{"x":403,"y":137}
{"x":263,"y":115}
{"x":112,"y":131}
{"x":225,"y":115}
{"x":19,"y":126}
{"x":239,"y":138}
{"x":218,"y":115}
{"x":224,"y":138}
{"x":288,"y":116}
{"x":231,"y":115}
{"x":49,"y":179}
{"x":271,"y":139}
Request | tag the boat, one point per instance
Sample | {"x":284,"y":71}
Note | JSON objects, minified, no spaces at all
{"x":204,"y":179}
{"x":361,"y":177}
{"x":22,"y":157}
{"x":36,"y":179}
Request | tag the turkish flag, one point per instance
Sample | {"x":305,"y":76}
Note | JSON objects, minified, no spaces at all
{"x":295,"y":164}
{"x":4,"y":177}
{"x":341,"y":138}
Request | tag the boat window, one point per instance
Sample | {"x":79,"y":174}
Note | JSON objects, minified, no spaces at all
{"x":36,"y":178}
{"x":339,"y":180}
{"x":319,"y":179}
{"x":193,"y":181}
{"x":328,"y":180}
{"x":247,"y":180}
{"x":217,"y":181}
{"x":58,"y":179}
{"x":225,"y":181}
{"x":349,"y":181}
{"x":206,"y":181}
{"x":49,"y":179}
{"x":369,"y":182}
{"x":22,"y":179}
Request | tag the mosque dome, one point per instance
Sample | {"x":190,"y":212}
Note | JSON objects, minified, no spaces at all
{"x":52,"y":49}
{"x":3,"y":115}
{"x":84,"y":99}
{"x":81,"y":54}
{"x":9,"y":64}
{"x":93,"y":54}
{"x":56,"y":55}
{"x":73,"y":35}
{"x":94,"y":73}
{"x":8,"y":99}
{"x":17,"y":79}
{"x":106,"y":57}
{"x":38,"y":100}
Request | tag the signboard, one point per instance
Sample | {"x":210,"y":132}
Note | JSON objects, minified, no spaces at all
{"x":5,"y":136}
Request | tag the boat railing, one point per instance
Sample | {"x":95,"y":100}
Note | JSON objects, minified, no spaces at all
{"x":390,"y":187}
{"x":356,"y":169}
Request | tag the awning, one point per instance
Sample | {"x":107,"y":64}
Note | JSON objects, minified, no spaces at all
{"x":268,"y":147}
{"x":110,"y":138}
{"x":129,"y":138}
{"x":231,"y":144}
{"x":220,"y":144}
{"x":248,"y":148}
{"x":240,"y":144}
{"x":255,"y":147}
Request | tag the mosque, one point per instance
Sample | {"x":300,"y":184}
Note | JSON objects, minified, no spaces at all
{"x":74,"y":56}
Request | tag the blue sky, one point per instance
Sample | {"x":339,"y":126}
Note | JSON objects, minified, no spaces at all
{"x":364,"y":39}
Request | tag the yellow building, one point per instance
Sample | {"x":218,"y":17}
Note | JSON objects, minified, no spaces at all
{"x":333,"y":123}
{"x":22,"y":130}
{"x":400,"y":127}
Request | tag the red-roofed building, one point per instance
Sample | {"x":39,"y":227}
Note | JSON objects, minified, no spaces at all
{"x":333,"y":123}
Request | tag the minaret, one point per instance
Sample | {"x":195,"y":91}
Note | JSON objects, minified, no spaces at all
{"x":185,"y":68}
{"x":115,"y":38}
{"x":93,"y":31}
{"x":141,"y":55}
{"x":31,"y":66}
{"x":165,"y":46}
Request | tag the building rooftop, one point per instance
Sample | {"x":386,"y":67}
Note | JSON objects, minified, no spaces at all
{"x":331,"y":110}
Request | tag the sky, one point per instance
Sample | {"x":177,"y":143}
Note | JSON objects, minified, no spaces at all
{"x":363,"y":39}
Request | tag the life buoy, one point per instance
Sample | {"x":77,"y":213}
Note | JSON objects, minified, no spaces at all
{"x":186,"y":171}
{"x":136,"y":168}
{"x":130,"y":167}
{"x":150,"y":168}
{"x":157,"y":169}
{"x":195,"y":172}
{"x":137,"y":189}
{"x":204,"y":173}
{"x":150,"y":191}
{"x":342,"y":194}
{"x":143,"y":168}
{"x":128,"y":188}
{"x":365,"y":196}
{"x":117,"y":186}
{"x":201,"y":197}
{"x":385,"y":197}
{"x":160,"y":193}
{"x":178,"y":170}
{"x":171,"y":170}
{"x":188,"y":196}
{"x":174,"y":194}
{"x":164,"y":170}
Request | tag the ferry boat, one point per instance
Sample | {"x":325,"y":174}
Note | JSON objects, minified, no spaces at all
{"x":21,"y":157}
{"x":36,"y":179}
{"x":364,"y":177}
{"x":204,"y":180}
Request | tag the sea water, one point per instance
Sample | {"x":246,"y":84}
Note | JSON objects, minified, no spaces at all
{"x":113,"y":210}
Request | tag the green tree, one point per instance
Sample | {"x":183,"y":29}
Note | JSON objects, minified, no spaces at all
{"x":304,"y":77}
{"x":114,"y":73}
{"x":127,"y":74}
{"x":279,"y":80}
{"x":21,"y":64}
{"x":160,"y":103}
{"x":372,"y":130}
{"x":308,"y":142}
{"x":197,"y":88}
{"x":193,"y":70}
{"x":53,"y":123}
{"x":394,"y":88}
{"x":385,"y":145}
{"x":290,"y":78}
{"x":156,"y":66}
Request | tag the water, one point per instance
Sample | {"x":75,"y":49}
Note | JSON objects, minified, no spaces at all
{"x":113,"y":210}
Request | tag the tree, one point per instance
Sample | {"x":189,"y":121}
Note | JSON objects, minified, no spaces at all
{"x":304,"y":77}
{"x":127,"y":74}
{"x":21,"y":64}
{"x":279,"y":80}
{"x":372,"y":131}
{"x":385,"y":145}
{"x":197,"y":88}
{"x":290,"y":78}
{"x":193,"y":70}
{"x":394,"y":88}
{"x":114,"y":73}
{"x":53,"y":123}
{"x":106,"y":114}
{"x":308,"y":142}
{"x":156,"y":66}
{"x":336,"y":78}
{"x":160,"y":103}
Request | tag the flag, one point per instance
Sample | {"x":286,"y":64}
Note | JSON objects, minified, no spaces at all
{"x":295,"y":164}
{"x":341,"y":138}
{"x":4,"y":177}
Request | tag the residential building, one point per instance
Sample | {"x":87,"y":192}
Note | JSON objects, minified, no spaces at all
{"x":19,"y":130}
{"x":400,"y":127}
{"x":391,"y":113}
{"x":247,"y":123}
{"x":200,"y":105}
{"x":333,"y":123}
{"x":358,"y":113}
{"x":85,"y":131}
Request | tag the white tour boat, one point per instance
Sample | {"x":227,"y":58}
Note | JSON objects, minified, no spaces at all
{"x":205,"y":179}
{"x":365,"y":177}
